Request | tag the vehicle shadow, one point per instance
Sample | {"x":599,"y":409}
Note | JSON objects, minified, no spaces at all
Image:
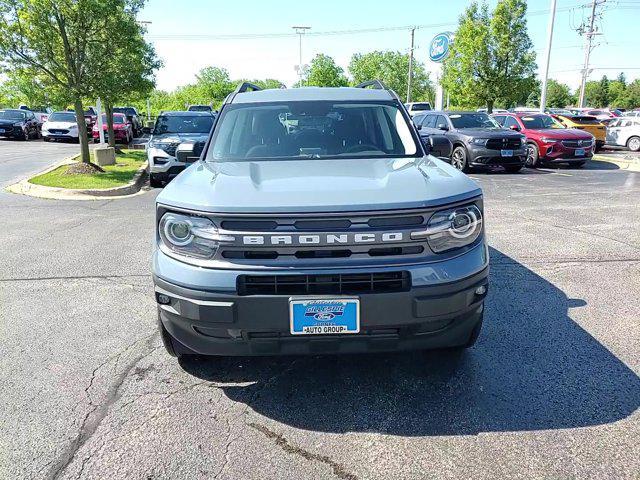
{"x":533,"y":368}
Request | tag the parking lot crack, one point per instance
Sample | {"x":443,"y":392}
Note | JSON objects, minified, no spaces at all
{"x":337,"y":469}
{"x":98,"y":412}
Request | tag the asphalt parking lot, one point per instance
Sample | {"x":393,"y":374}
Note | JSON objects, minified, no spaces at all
{"x":551,"y":390}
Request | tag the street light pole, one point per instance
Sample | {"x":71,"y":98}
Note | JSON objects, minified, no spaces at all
{"x":587,"y":53}
{"x":300,"y":30}
{"x":410,"y":77}
{"x":547,"y":57}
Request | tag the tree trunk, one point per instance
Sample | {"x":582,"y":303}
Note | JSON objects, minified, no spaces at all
{"x":108,"y":108}
{"x":490,"y":107}
{"x":82,"y":131}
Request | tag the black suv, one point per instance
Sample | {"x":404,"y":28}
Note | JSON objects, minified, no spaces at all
{"x":133,"y":118}
{"x":478,"y":140}
{"x":20,"y":124}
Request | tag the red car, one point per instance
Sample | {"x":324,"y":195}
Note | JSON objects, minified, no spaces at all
{"x":121,"y":129}
{"x":548,"y":141}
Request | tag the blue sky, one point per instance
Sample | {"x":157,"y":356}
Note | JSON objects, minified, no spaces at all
{"x":174,"y":22}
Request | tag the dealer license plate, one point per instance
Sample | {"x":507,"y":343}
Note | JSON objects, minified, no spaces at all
{"x":580,"y":152}
{"x":506,"y":153}
{"x":324,"y":316}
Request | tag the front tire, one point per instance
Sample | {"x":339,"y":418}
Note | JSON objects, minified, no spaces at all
{"x":154,"y":181}
{"x":459,"y":159}
{"x":533,"y":156}
{"x":634,"y":144}
{"x":171,"y":345}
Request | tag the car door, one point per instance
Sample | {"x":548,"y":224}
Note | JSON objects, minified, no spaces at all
{"x":614,"y":132}
{"x":511,"y":123}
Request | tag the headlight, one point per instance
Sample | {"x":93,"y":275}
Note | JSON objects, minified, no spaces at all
{"x":189,"y":236}
{"x":548,"y":140}
{"x":73,"y":127}
{"x":478,"y":141}
{"x":453,"y":228}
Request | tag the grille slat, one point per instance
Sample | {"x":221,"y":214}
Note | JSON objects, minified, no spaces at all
{"x":340,"y":284}
{"x":503,"y":143}
{"x":577,"y":143}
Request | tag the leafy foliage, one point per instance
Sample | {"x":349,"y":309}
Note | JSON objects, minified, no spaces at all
{"x":392,"y":68}
{"x":323,"y":72}
{"x":492,"y":58}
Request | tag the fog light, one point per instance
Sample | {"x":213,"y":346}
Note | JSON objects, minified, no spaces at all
{"x":163,"y":299}
{"x":481,"y":290}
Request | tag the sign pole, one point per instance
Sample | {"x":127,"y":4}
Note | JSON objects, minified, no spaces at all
{"x":438,"y":51}
{"x":99,"y":120}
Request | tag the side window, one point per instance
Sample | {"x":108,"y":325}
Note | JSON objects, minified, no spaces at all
{"x":418,"y":119}
{"x":428,"y":121}
{"x":500,"y":119}
{"x":510,"y":122}
{"x":441,"y":122}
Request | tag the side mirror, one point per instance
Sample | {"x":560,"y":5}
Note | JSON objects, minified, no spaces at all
{"x":185,"y":153}
{"x":418,"y":127}
{"x":514,"y":127}
{"x":443,"y":127}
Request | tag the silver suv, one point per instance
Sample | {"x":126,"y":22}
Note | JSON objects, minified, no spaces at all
{"x":315,"y":220}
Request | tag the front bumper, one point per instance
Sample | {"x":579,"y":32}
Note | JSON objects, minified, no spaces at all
{"x":441,"y":309}
{"x":61,"y":136}
{"x":557,"y":153}
{"x":481,"y":156}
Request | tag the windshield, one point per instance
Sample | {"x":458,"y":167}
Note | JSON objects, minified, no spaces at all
{"x":117,"y":119}
{"x":311,"y":130}
{"x":126,"y":111}
{"x":183,"y":124}
{"x":62,"y":117}
{"x":11,"y":115}
{"x":472,"y":120}
{"x":420,"y":106}
{"x":538,"y":122}
{"x":199,"y":108}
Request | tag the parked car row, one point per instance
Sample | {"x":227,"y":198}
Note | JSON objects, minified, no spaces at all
{"x":41,"y":122}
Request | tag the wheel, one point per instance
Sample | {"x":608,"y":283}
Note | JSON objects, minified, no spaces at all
{"x":459,"y":159}
{"x":171,"y":345}
{"x":155,"y":181}
{"x":634,"y":144}
{"x":475,"y":333}
{"x":46,"y":139}
{"x":533,"y":156}
{"x":96,"y":140}
{"x":599,"y":146}
{"x":513,"y":168}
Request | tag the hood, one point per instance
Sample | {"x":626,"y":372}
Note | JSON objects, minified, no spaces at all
{"x":562,"y":133}
{"x":61,"y":125}
{"x":318,"y":185}
{"x":179,"y":137}
{"x":488,"y":132}
{"x":7,"y":123}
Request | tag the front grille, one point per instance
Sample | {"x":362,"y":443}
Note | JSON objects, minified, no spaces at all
{"x":7,"y":129}
{"x":58,"y":131}
{"x":330,"y":284}
{"x":577,"y":143}
{"x":504,"y":143}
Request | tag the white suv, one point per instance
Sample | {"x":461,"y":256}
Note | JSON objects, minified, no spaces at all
{"x":415,"y":108}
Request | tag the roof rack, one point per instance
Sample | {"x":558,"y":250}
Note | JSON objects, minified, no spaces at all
{"x":376,"y":84}
{"x":243,"y":87}
{"x":379,"y":85}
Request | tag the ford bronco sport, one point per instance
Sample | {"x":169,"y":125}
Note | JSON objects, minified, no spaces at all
{"x":315,"y":221}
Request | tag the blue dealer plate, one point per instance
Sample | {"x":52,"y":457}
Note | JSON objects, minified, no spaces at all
{"x":580,"y":152}
{"x":506,"y":153}
{"x":324,"y":316}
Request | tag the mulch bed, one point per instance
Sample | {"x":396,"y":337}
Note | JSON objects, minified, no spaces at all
{"x":82,"y":168}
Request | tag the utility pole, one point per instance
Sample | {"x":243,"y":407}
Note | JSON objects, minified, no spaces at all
{"x":590,"y":33}
{"x":300,"y":30}
{"x":410,"y":77}
{"x":547,"y":57}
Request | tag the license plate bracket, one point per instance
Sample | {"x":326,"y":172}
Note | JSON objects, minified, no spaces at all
{"x":506,"y":153}
{"x":580,"y":152}
{"x":324,"y":315}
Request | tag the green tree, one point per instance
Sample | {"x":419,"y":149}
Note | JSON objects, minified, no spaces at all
{"x":56,"y":39}
{"x":323,"y":72}
{"x":633,"y":94}
{"x":558,"y":94}
{"x":492,"y":58}
{"x":617,"y":93}
{"x":213,"y":85}
{"x":596,"y":94}
{"x":392,"y":68}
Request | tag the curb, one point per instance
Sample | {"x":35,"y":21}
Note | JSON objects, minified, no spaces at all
{"x":629,"y":165}
{"x":24,"y":187}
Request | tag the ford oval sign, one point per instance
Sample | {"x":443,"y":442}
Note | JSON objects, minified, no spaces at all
{"x":440,"y":45}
